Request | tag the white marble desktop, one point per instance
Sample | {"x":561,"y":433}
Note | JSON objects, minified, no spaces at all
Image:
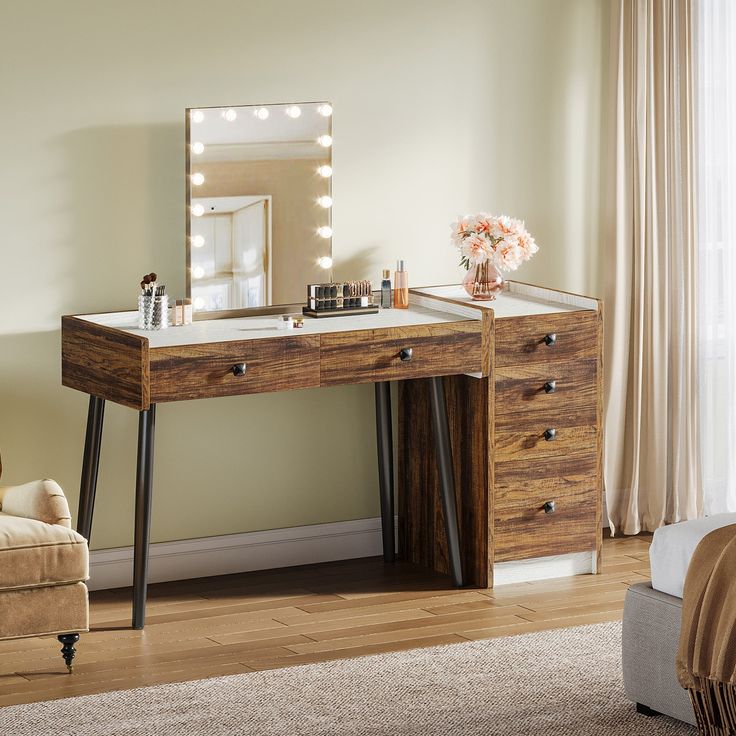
{"x":262,"y":327}
{"x":517,"y":300}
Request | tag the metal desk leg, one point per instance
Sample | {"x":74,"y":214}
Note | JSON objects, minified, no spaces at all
{"x":90,"y":465}
{"x":143,"y":497}
{"x":385,"y":442}
{"x":447,"y":476}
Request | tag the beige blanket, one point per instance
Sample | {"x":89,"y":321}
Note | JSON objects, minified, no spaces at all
{"x":706,"y":660}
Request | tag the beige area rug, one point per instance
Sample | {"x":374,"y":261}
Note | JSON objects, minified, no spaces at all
{"x":552,"y":683}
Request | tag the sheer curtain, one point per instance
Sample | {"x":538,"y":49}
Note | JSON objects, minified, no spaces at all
{"x":652,"y":459}
{"x":715,"y":124}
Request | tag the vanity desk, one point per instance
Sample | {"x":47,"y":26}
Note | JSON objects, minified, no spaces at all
{"x":107,"y":357}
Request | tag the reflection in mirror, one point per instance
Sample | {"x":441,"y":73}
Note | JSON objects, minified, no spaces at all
{"x":259,"y":204}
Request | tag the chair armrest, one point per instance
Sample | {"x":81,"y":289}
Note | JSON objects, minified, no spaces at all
{"x":42,"y":500}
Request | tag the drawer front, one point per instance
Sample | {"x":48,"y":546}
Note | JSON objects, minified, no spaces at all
{"x":573,"y":336}
{"x":523,"y":405}
{"x":522,"y":528}
{"x":525,"y":533}
{"x":547,"y":389}
{"x":547,"y":440}
{"x":204,"y":371}
{"x":376,"y":355}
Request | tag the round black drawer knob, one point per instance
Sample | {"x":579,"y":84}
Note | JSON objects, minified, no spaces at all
{"x":239,"y":369}
{"x":406,"y":354}
{"x":550,"y":387}
{"x":550,"y":434}
{"x":549,"y":507}
{"x":550,"y":338}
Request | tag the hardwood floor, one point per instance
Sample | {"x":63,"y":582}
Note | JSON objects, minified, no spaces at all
{"x":279,"y":618}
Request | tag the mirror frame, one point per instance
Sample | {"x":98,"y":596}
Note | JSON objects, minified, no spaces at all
{"x":242,"y":311}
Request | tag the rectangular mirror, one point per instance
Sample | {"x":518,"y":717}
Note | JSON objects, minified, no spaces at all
{"x":259,"y":204}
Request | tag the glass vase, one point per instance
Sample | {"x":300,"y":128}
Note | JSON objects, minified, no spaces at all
{"x":483,"y":282}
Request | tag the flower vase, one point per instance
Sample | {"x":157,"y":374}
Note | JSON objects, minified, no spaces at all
{"x":483,"y":282}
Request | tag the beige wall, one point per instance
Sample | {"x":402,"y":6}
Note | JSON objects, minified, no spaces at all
{"x":440,"y":108}
{"x":294,"y":187}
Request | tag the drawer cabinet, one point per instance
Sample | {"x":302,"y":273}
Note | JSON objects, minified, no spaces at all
{"x":530,"y":439}
{"x":546,"y":436}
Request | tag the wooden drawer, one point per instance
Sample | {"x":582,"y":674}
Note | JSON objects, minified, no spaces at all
{"x":522,"y":529}
{"x":520,"y":389}
{"x":521,"y":340}
{"x":375,"y":355}
{"x":524,"y":532}
{"x":532,"y":444}
{"x":203,"y":371}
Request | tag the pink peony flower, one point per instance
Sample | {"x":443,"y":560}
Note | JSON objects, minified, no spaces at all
{"x":477,"y":249}
{"x":484,"y":237}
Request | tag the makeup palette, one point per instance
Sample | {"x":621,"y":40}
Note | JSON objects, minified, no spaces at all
{"x":338,"y":299}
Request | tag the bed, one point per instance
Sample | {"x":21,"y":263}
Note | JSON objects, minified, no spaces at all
{"x":651,"y":624}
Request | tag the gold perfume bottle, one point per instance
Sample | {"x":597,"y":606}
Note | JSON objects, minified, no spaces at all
{"x":401,"y":286}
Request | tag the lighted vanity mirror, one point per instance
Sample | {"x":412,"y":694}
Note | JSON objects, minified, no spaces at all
{"x":259,"y":204}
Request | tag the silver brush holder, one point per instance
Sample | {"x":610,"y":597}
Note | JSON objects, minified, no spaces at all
{"x":153,"y":312}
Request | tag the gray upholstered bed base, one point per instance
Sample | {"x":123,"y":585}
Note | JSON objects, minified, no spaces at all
{"x":651,"y":632}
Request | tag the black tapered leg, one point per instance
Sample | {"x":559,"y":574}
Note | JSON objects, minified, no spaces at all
{"x":447,"y":476}
{"x":143,"y":498}
{"x":90,"y":466}
{"x":67,"y":650}
{"x":385,"y":442}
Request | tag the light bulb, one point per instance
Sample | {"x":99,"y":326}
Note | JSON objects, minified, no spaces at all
{"x":198,"y":179}
{"x":325,"y":141}
{"x":293,"y":111}
{"x":198,"y":147}
{"x":325,"y":231}
{"x":324,"y":262}
{"x":262,"y":113}
{"x":199,"y":303}
{"x":197,"y":116}
{"x":198,"y":272}
{"x":230,"y":115}
{"x":325,"y":110}
{"x":198,"y":241}
{"x":324,"y":201}
{"x":325,"y":171}
{"x":197,"y":210}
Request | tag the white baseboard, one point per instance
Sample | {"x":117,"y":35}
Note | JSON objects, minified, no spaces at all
{"x":196,"y":558}
{"x":543,"y":568}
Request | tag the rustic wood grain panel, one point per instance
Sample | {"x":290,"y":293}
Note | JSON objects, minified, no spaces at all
{"x":538,"y":418}
{"x":553,"y":476}
{"x":520,"y":388}
{"x":599,"y":443}
{"x":521,"y":339}
{"x":531,"y":444}
{"x":104,"y":362}
{"x":205,"y":371}
{"x":422,"y":538}
{"x":373,"y":355}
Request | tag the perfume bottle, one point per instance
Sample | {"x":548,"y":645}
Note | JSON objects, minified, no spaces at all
{"x":401,"y":286}
{"x":386,"y":289}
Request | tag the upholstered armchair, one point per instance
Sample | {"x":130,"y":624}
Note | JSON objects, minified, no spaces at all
{"x":43,"y":566}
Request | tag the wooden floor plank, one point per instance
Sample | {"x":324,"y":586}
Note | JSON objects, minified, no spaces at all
{"x":313,"y":613}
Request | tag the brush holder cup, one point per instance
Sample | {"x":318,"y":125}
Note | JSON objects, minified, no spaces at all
{"x":153,"y":312}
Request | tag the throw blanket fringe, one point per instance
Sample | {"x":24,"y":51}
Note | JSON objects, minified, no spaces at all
{"x":714,"y":704}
